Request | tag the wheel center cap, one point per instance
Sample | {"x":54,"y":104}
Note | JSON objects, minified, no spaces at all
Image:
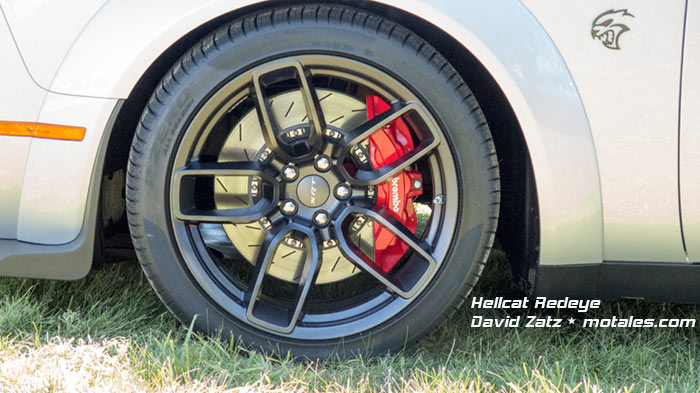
{"x":313,"y":191}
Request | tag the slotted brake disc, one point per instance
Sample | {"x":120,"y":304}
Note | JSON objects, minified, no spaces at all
{"x":244,"y":143}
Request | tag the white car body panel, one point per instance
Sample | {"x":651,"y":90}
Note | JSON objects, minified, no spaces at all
{"x":104,"y":64}
{"x":690,"y":134}
{"x":45,"y":31}
{"x":56,"y":217}
{"x":20,"y":100}
{"x":541,"y":78}
{"x":631,"y":100}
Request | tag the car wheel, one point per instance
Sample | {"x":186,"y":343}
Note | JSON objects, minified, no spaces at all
{"x":313,"y":179}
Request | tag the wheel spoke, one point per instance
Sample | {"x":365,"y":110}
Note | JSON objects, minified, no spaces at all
{"x":416,"y":115}
{"x":364,"y":130}
{"x":366,"y":178}
{"x":271,"y":316}
{"x":279,"y":71}
{"x":183,"y":196}
{"x":410,"y":278}
{"x":308,"y":276}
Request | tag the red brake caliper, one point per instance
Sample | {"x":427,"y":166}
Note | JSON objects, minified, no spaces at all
{"x":396,"y":194}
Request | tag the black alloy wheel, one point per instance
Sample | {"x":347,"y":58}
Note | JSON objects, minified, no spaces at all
{"x":313,"y":179}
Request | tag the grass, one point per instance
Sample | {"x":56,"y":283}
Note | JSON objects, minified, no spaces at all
{"x":109,"y":332}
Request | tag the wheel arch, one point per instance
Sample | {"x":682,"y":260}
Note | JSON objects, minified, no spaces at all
{"x":530,"y":101}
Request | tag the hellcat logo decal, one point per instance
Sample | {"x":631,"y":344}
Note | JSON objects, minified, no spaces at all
{"x":609,"y":26}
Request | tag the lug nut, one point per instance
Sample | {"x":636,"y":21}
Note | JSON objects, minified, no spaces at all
{"x":290,"y":173}
{"x":323,"y":163}
{"x":288,"y":207}
{"x":322,"y":218}
{"x":342,"y":191}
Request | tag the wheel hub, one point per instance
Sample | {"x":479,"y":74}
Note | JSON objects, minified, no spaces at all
{"x":310,"y":185}
{"x":313,"y":191}
{"x":246,"y":142}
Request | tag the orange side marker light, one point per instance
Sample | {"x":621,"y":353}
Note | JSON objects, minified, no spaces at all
{"x":42,"y":130}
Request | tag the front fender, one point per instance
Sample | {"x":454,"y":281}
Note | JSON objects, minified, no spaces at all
{"x":126,"y":37}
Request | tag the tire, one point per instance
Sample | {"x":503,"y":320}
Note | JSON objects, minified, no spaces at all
{"x":184,"y":146}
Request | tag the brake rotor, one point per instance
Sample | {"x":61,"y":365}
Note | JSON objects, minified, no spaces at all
{"x":244,"y":143}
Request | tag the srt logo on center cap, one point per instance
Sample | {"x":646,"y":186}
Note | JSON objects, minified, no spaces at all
{"x":609,"y":26}
{"x":313,"y":191}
